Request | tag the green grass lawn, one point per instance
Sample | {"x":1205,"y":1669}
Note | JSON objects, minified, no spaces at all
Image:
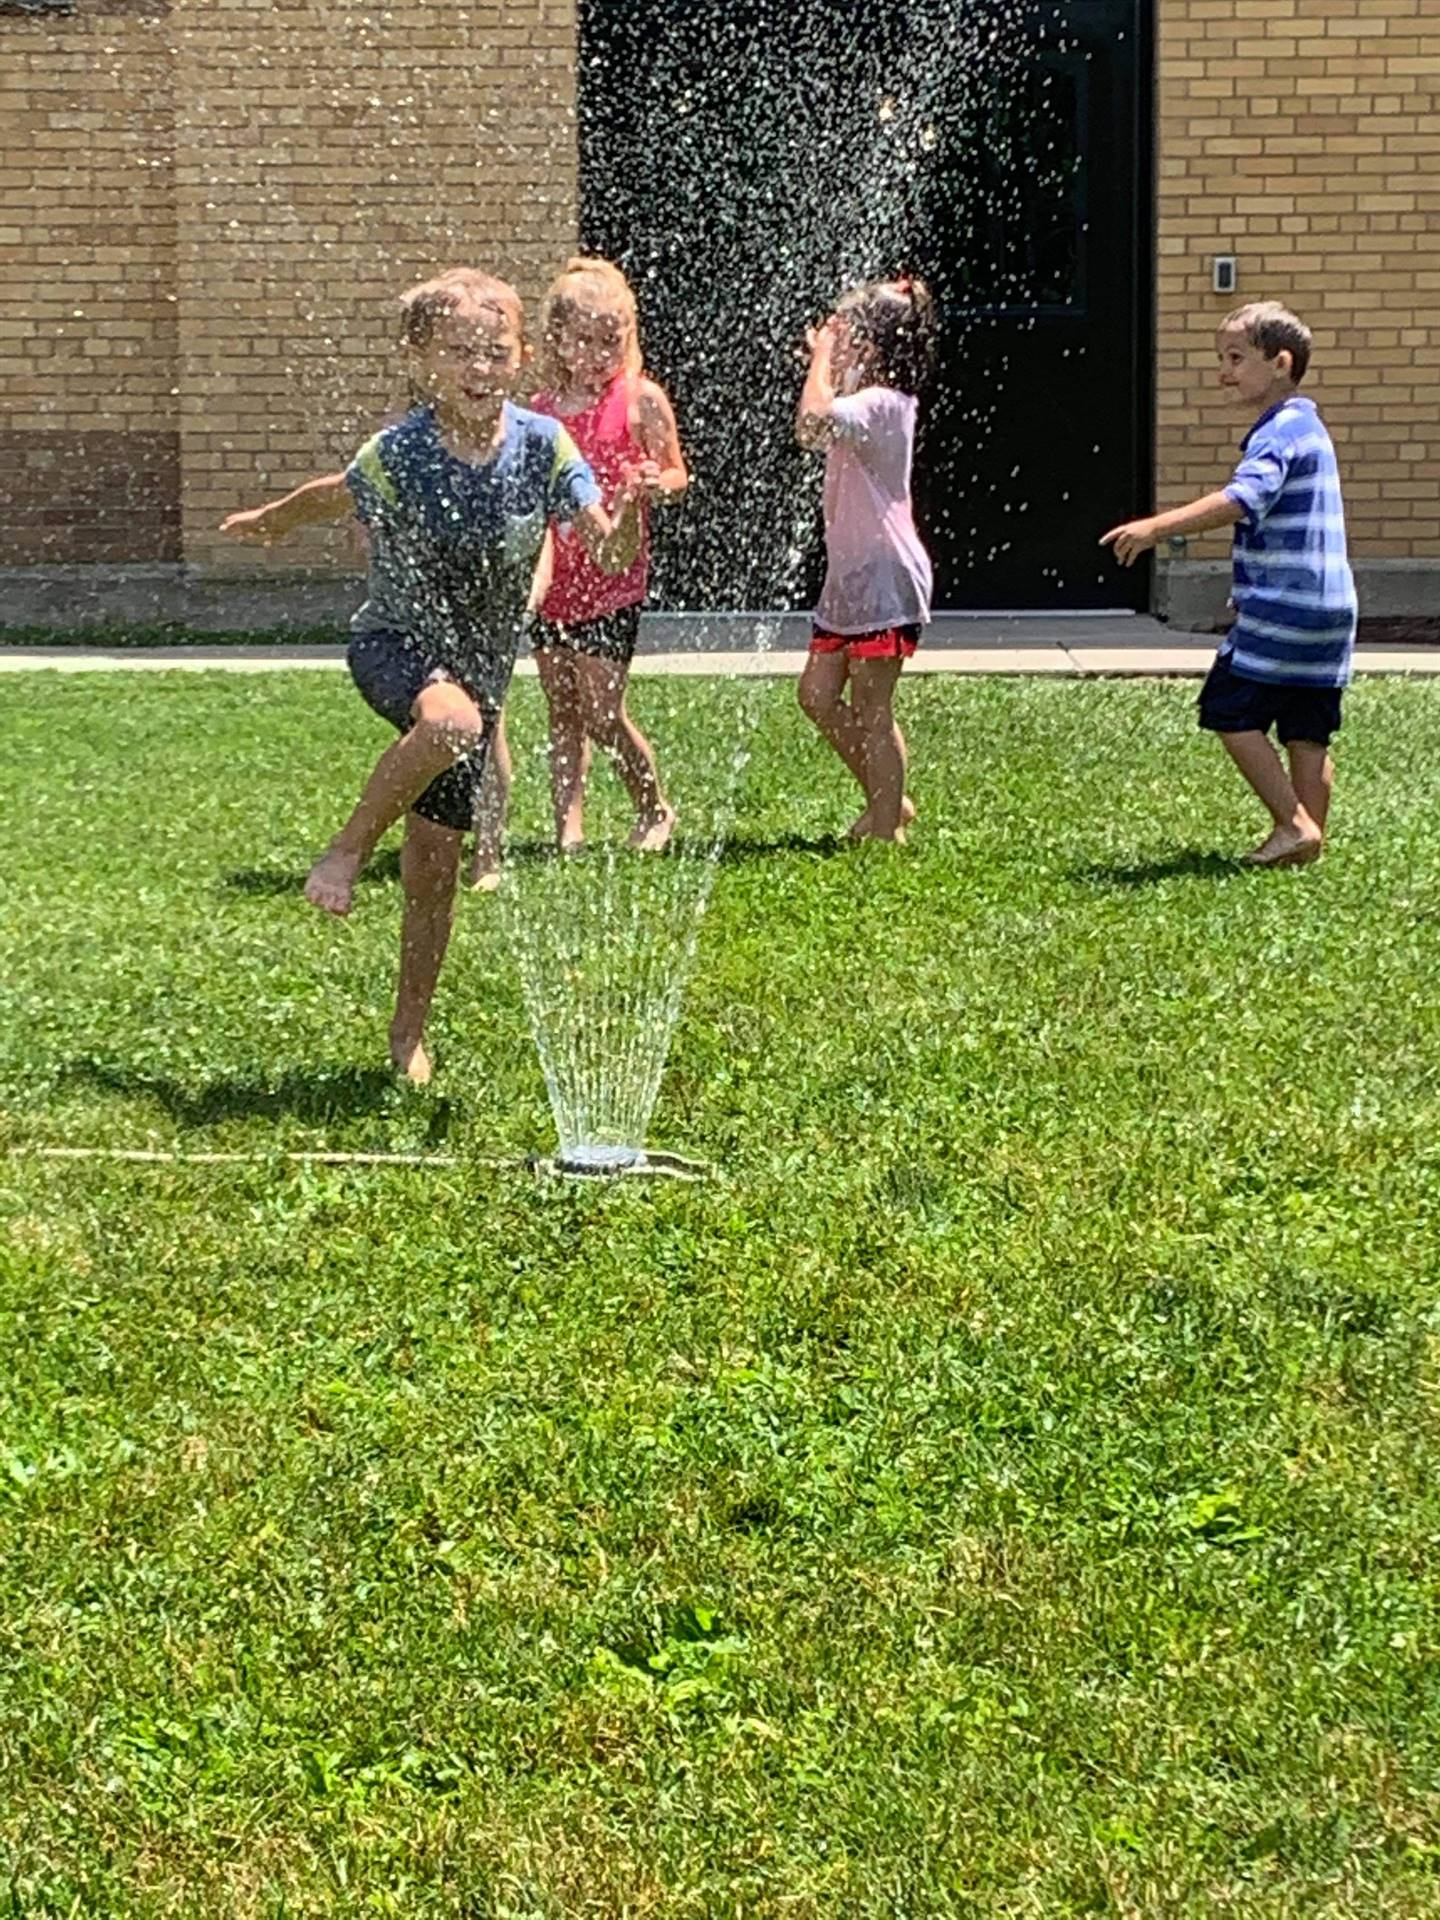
{"x":1007,"y":1488}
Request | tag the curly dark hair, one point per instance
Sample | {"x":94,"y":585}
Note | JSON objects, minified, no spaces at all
{"x":896,"y":320}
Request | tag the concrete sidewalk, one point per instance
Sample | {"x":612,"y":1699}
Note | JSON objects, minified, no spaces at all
{"x":1075,"y":646}
{"x":1076,"y":663}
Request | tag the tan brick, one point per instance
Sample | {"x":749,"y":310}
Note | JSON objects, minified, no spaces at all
{"x":1352,"y":250}
{"x":203,"y":232}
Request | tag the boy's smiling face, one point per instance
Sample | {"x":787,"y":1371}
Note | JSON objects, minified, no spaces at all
{"x":1246,"y":375}
{"x":472,"y":359}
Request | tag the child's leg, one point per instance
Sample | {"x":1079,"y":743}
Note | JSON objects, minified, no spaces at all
{"x":1312,"y":774}
{"x":568,"y":757}
{"x":860,"y":827}
{"x":602,"y":685}
{"x":491,"y":813}
{"x":447,"y":725}
{"x":822,"y":700}
{"x":1297,"y":837}
{"x":872,"y":685}
{"x":429,"y":868}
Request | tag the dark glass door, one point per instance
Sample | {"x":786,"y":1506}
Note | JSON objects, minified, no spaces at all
{"x":747,"y":159}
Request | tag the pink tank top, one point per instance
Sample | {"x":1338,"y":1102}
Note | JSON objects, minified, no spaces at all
{"x":579,"y":590}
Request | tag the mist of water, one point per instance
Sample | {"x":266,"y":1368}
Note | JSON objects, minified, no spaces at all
{"x":801,"y":147}
{"x":806,"y":167}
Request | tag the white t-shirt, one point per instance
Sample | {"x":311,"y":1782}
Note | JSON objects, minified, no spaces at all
{"x":879,"y":573}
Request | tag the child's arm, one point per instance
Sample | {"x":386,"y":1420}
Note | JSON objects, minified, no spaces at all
{"x":1135,"y":537}
{"x":813,"y":416}
{"x":614,"y":545}
{"x":663,"y":473}
{"x":317,"y":503}
{"x":544,"y":573}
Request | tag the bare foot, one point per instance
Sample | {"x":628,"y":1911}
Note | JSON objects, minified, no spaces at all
{"x":1289,"y":846}
{"x":331,"y":884}
{"x":410,"y":1059}
{"x":570,"y":827}
{"x":653,"y":830}
{"x":861,"y":829}
{"x":484,"y":874}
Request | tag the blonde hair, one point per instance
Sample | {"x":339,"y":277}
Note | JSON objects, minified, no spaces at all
{"x":423,"y":307}
{"x":586,"y":284}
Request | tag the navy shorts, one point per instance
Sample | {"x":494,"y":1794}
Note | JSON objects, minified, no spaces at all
{"x":611,"y":637}
{"x":1231,"y":704}
{"x":391,"y":670}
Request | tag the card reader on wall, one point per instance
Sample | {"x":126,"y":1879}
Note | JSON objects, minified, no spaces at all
{"x":1227,"y":272}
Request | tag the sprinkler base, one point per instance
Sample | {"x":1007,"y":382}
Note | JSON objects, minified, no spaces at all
{"x":621,"y":1163}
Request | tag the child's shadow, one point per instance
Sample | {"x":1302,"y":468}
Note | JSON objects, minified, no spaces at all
{"x":1191,"y":865}
{"x":315,"y":1095}
{"x":384,"y":869}
{"x":736,"y":851}
{"x":274,"y":881}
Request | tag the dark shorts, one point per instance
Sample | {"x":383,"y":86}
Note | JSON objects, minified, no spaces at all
{"x":1231,"y":704}
{"x":885,"y":643}
{"x":611,"y":637}
{"x":391,"y":670}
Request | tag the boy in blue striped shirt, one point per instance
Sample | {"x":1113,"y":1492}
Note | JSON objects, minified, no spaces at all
{"x":1288,"y":654}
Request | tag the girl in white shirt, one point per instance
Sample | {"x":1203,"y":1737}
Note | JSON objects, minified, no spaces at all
{"x":867,"y":364}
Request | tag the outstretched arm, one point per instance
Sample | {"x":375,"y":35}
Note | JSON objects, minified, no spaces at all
{"x":813,"y":416}
{"x":1135,"y":537}
{"x":317,"y":503}
{"x":614,"y":545}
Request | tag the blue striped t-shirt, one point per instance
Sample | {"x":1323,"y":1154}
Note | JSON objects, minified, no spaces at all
{"x":1294,"y":591}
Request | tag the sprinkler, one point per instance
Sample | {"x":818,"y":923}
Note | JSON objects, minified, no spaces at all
{"x":598,"y":1161}
{"x":593,"y":1162}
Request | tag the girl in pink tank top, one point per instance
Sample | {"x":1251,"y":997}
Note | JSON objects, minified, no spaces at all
{"x":624,"y":425}
{"x":605,"y":432}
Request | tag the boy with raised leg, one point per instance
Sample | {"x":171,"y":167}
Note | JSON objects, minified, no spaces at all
{"x":1288,"y":655}
{"x":456,"y":497}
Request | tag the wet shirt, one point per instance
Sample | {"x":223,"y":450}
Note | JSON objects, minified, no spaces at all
{"x":1294,"y":592}
{"x":454,"y":544}
{"x":580,"y":591}
{"x":878,"y":573}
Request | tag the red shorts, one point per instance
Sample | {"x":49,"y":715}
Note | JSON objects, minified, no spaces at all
{"x":886,"y":643}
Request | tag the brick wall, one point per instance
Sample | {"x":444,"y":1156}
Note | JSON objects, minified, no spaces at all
{"x":89,"y":455}
{"x":1304,"y":136}
{"x":209,"y":214}
{"x":328,"y":154}
{"x":206,"y":213}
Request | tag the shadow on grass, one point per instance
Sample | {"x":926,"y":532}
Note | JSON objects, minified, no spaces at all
{"x":1191,"y":865}
{"x":384,"y":869}
{"x":729,"y":852}
{"x":315,"y":1095}
{"x":737,"y":851}
{"x":271,"y":882}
